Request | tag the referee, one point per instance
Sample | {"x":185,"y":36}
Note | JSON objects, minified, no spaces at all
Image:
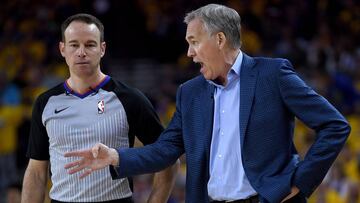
{"x":89,"y":107}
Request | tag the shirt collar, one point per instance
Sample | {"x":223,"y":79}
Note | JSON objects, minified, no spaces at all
{"x":235,"y":68}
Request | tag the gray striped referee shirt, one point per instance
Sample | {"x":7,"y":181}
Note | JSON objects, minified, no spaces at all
{"x":63,"y":120}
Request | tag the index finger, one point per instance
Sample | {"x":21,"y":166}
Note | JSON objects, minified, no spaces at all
{"x":81,"y":153}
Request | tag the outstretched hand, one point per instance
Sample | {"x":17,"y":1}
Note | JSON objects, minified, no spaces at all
{"x":95,"y":158}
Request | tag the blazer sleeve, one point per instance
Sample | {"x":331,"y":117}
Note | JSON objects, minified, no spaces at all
{"x":156,"y":156}
{"x":317,"y":113}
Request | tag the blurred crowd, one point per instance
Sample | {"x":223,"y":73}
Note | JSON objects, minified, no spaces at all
{"x":146,"y":49}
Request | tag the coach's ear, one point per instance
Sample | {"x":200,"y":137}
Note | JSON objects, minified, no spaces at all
{"x":221,"y":40}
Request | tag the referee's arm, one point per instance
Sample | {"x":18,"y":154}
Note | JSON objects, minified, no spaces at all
{"x":163,"y":183}
{"x":35,"y":179}
{"x":148,"y":129}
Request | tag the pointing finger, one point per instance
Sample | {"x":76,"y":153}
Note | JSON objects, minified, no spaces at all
{"x":81,"y":153}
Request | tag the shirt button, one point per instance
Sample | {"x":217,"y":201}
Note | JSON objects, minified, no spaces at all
{"x":222,"y":133}
{"x":220,"y":156}
{"x":223,"y":111}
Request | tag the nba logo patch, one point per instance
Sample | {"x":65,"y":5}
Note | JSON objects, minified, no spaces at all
{"x":101,"y":107}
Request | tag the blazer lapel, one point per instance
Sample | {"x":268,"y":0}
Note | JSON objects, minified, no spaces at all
{"x":248,"y":76}
{"x":207,"y":112}
{"x":208,"y":115}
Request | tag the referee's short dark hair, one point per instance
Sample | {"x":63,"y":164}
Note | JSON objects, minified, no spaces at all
{"x":85,"y":18}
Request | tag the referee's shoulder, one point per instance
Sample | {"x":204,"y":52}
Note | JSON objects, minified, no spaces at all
{"x":125,"y":90}
{"x":56,"y":90}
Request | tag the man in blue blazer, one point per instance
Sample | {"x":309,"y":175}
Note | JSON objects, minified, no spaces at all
{"x":235,"y":123}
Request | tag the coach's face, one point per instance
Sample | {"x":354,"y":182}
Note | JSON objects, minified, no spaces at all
{"x":205,"y":49}
{"x":82,"y":48}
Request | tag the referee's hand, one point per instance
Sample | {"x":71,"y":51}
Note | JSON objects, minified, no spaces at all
{"x":95,"y":158}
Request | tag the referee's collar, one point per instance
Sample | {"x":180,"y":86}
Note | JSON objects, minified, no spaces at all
{"x":102,"y":83}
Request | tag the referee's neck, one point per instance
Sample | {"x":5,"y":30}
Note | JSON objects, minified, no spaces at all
{"x":83,"y":84}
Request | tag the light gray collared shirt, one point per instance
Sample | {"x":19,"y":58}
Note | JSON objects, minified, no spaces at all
{"x":228,"y":180}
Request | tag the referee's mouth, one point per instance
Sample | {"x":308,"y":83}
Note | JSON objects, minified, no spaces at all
{"x":82,"y":63}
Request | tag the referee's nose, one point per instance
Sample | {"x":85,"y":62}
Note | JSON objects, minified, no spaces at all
{"x":81,"y":51}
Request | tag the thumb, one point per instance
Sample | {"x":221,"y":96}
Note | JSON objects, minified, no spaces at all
{"x":95,"y":150}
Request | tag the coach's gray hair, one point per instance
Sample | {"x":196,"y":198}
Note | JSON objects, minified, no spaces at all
{"x":218,"y":18}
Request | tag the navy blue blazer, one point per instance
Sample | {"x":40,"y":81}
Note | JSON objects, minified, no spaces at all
{"x":271,"y":96}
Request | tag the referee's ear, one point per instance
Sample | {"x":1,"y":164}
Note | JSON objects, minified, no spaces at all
{"x":61,"y":48}
{"x":103,"y":48}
